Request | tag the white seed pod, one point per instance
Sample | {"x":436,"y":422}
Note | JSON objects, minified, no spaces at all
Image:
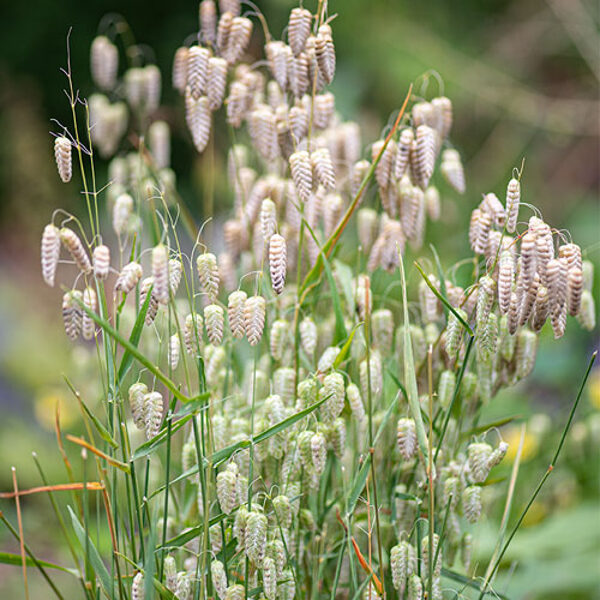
{"x":208,"y":273}
{"x":402,"y":564}
{"x":152,"y":79}
{"x":62,"y":155}
{"x":218,"y":575}
{"x":485,"y":300}
{"x":136,"y":395}
{"x":170,"y":570}
{"x":153,"y":409}
{"x":254,"y":318}
{"x":145,"y":288}
{"x":492,"y":205}
{"x":318,"y":449}
{"x":415,"y":587}
{"x":198,"y":117}
{"x":423,"y":154}
{"x":506,"y":274}
{"x":587,"y":311}
{"x":101,"y":261}
{"x":298,"y":74}
{"x":382,"y":326}
{"x":452,"y":170}
{"x":235,"y":313}
{"x":88,"y":326}
{"x":208,"y":21}
{"x":541,"y":308}
{"x":179,"y":71}
{"x":328,"y":358}
{"x":269,"y":578}
{"x":558,"y":319}
{"x":227,"y":488}
{"x":268,"y":219}
{"x":192,"y":333}
{"x":301,"y":170}
{"x":104,"y":62}
{"x":325,"y":52}
{"x":513,"y":200}
{"x":497,"y":455}
{"x":159,"y":142}
{"x":278,"y":338}
{"x":383,"y":170}
{"x":478,"y":456}
{"x":75,"y":248}
{"x":174,"y":351}
{"x":355,"y":402}
{"x":406,"y":436}
{"x":137,"y":587}
{"x":371,"y":375}
{"x":437,"y":567}
{"x":299,"y":25}
{"x":72,"y":313}
{"x":175,"y":272}
{"x":256,"y":537}
{"x":333,"y":390}
{"x":197,"y":70}
{"x":278,"y":54}
{"x":298,"y":121}
{"x":324,"y":109}
{"x":160,"y":273}
{"x":50,"y":253}
{"x":403,"y":147}
{"x":323,"y":168}
{"x":428,"y":301}
{"x":367,"y":223}
{"x":471,"y":503}
{"x":277,"y":262}
{"x":433,"y":203}
{"x":556,"y":282}
{"x":216,"y":80}
{"x":413,"y":210}
{"x":128,"y":277}
{"x":224,"y":30}
{"x":213,"y":319}
{"x":237,"y":103}
{"x":235,"y":591}
{"x":446,"y":386}
{"x":121,"y":213}
{"x":135,"y":83}
{"x":574,"y":289}
{"x":572,"y":253}
{"x":364,"y":301}
{"x":308,"y":335}
{"x":238,"y":39}
{"x":442,"y":109}
{"x":454,"y":332}
{"x":262,"y":126}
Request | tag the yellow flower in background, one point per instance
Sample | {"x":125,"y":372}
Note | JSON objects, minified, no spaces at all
{"x":512,"y":436}
{"x":594,"y":388}
{"x":45,"y":409}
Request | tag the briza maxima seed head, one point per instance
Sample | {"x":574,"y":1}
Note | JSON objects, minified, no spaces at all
{"x":299,"y":29}
{"x":277,"y":262}
{"x":254,"y":318}
{"x":50,"y":253}
{"x":101,"y":261}
{"x":72,"y":313}
{"x":208,"y":273}
{"x":75,"y":248}
{"x":104,"y":62}
{"x":62,"y":155}
{"x":128,"y":278}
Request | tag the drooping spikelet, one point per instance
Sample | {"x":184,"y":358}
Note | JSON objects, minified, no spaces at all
{"x":137,"y":587}
{"x":269,"y":578}
{"x":446,"y":388}
{"x":325,"y":52}
{"x":262,"y":126}
{"x":277,"y":262}
{"x":513,"y":200}
{"x":300,"y":167}
{"x":104,"y":62}
{"x":101,"y":261}
{"x":216,"y":80}
{"x":174,"y":351}
{"x":238,"y":39}
{"x":235,"y":313}
{"x":208,"y":273}
{"x":50,"y":253}
{"x":505,"y":281}
{"x":90,"y":300}
{"x":492,"y":205}
{"x":192,"y":334}
{"x":121,"y":213}
{"x":227,"y":488}
{"x":198,"y":117}
{"x":214,"y":317}
{"x":423,"y":154}
{"x":208,"y":21}
{"x":324,"y":109}
{"x":197,"y":69}
{"x":128,"y":278}
{"x":403,"y":563}
{"x":318,"y":447}
{"x":403,"y":147}
{"x":160,"y":273}
{"x":478,"y":455}
{"x":72,"y":313}
{"x":235,"y":591}
{"x":219,"y":578}
{"x":454,"y":332}
{"x":415,"y":587}
{"x":254,"y":318}
{"x":299,"y":29}
{"x":406,"y":436}
{"x":153,"y":409}
{"x":452,"y":170}
{"x":147,"y":287}
{"x":75,"y":248}
{"x":308,"y":335}
{"x":62,"y":155}
{"x":323,"y":168}
{"x":333,"y":390}
{"x":136,"y":395}
{"x":159,"y":142}
{"x":471,"y":503}
{"x":278,"y":338}
{"x":179,"y":71}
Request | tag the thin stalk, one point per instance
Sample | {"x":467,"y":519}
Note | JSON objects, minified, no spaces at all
{"x":21,"y":538}
{"x":430,"y":467}
{"x":537,"y":490}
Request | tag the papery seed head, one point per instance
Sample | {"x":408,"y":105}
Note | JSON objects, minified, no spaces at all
{"x":160,"y":273}
{"x":208,"y":273}
{"x":128,"y":278}
{"x":277,"y":262}
{"x":478,"y":455}
{"x":254,"y":318}
{"x":152,"y":409}
{"x":137,"y":587}
{"x":75,"y":248}
{"x":214,"y":317}
{"x":90,"y":301}
{"x":72,"y":313}
{"x":471,"y":503}
{"x":50,"y":253}
{"x":256,"y":537}
{"x":406,"y":436}
{"x":235,"y":313}
{"x":62,"y":155}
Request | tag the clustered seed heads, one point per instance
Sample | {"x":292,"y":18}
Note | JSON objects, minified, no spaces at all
{"x":287,"y":395}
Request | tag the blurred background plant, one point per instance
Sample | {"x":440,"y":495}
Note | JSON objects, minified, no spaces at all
{"x":523,"y":77}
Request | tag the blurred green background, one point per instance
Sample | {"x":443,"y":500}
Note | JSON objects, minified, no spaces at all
{"x":523,"y":76}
